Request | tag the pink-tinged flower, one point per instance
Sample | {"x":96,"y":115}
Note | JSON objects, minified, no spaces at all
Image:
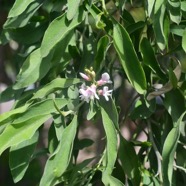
{"x":88,"y":93}
{"x":105,"y":78}
{"x":83,"y":86}
{"x":105,"y":92}
{"x":84,"y":76}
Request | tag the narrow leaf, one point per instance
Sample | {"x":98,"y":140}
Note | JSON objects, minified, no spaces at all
{"x":111,"y":136}
{"x":19,"y":7}
{"x":56,"y":84}
{"x":159,"y":27}
{"x":150,"y":7}
{"x":33,"y":69}
{"x":168,"y":152}
{"x":174,"y":8}
{"x":110,"y":180}
{"x":45,"y":107}
{"x":183,"y":40}
{"x":73,"y":6}
{"x":102,"y":47}
{"x":12,"y":113}
{"x":171,"y":104}
{"x":22,"y":19}
{"x":57,"y":30}
{"x":15,"y":134}
{"x":149,"y":58}
{"x":129,"y":161}
{"x":58,"y":162}
{"x":129,"y":59}
{"x":20,"y":157}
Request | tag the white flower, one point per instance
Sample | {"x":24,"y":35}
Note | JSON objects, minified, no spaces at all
{"x":105,"y":78}
{"x":105,"y":92}
{"x":84,"y":76}
{"x":88,"y":93}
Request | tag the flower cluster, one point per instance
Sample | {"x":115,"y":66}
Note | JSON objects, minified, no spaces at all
{"x":97,"y":88}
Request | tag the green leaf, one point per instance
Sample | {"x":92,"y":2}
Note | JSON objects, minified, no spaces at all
{"x":175,"y":106}
{"x":74,"y":175}
{"x":129,"y":59}
{"x":172,"y":78}
{"x":12,"y":114}
{"x":56,"y":84}
{"x":99,"y":23}
{"x":129,"y":161}
{"x":102,"y":47}
{"x":45,"y":107}
{"x":25,"y":124}
{"x":73,"y":6}
{"x":111,"y":136}
{"x":150,"y":7}
{"x":159,"y":18}
{"x":135,"y":27}
{"x":58,"y":162}
{"x":109,"y":180}
{"x":91,"y":111}
{"x":183,"y":6}
{"x":22,"y":19}
{"x":19,"y":7}
{"x":178,"y":30}
{"x":33,"y":69}
{"x":168,"y":151}
{"x":52,"y":139}
{"x":21,"y":131}
{"x":149,"y":58}
{"x":127,"y":18}
{"x":110,"y":107}
{"x":183,"y":40}
{"x":140,"y":111}
{"x":20,"y":157}
{"x":61,"y":51}
{"x":83,"y":143}
{"x":57,"y":30}
{"x":174,"y":8}
{"x":29,"y":34}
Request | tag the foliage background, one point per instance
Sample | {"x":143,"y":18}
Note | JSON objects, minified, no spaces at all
{"x":141,"y":44}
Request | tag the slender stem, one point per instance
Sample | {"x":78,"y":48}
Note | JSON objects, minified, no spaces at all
{"x":158,"y":155}
{"x":181,"y":168}
{"x":104,"y":7}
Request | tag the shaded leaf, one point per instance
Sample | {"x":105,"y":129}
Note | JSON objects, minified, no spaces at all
{"x":175,"y":104}
{"x":129,"y":59}
{"x":20,"y":157}
{"x":22,"y":19}
{"x":129,"y":161}
{"x":12,"y":113}
{"x":168,"y":151}
{"x":135,"y":26}
{"x":149,"y":58}
{"x":58,"y":162}
{"x":174,"y":8}
{"x":21,"y":131}
{"x":102,"y":47}
{"x":57,"y":30}
{"x":33,"y":69}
